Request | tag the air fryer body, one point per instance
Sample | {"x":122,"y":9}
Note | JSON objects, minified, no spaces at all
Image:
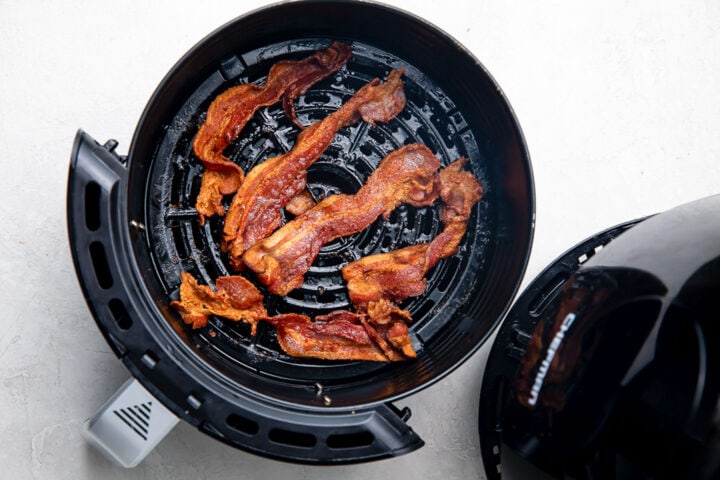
{"x":619,"y":373}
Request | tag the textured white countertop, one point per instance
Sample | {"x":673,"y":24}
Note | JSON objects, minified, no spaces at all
{"x":619,"y":103}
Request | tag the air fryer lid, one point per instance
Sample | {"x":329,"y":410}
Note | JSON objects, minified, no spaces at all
{"x":133,"y":228}
{"x":607,"y":366}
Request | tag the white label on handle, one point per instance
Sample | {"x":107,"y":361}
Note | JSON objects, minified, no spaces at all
{"x":129,"y":425}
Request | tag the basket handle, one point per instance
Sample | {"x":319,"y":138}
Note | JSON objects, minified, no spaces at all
{"x":129,"y":425}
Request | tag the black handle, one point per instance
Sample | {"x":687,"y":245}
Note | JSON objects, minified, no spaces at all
{"x":312,"y":438}
{"x":95,"y":189}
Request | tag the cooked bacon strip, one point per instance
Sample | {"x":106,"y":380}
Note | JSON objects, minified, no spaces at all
{"x":236,"y":298}
{"x":400,"y":274}
{"x":232,"y":109}
{"x":407,"y":175}
{"x":342,"y":335}
{"x":255,"y":209}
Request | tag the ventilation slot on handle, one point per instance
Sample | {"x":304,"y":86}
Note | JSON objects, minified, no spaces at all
{"x":137,"y":418}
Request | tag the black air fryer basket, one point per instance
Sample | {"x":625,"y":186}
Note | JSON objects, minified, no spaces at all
{"x":133,"y":229}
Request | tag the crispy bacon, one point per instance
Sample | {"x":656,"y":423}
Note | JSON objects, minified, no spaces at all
{"x":407,"y":175}
{"x":255,"y":209}
{"x":231,"y":110}
{"x":236,"y":298}
{"x":342,"y":335}
{"x":378,"y":330}
{"x":400,"y":274}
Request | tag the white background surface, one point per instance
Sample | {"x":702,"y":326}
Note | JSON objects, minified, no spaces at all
{"x":619,"y":103}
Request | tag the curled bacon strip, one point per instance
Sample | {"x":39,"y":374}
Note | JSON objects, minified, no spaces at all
{"x":407,"y":175}
{"x":255,"y":210}
{"x":342,"y":335}
{"x":236,"y":298}
{"x":400,"y":274}
{"x":232,"y":109}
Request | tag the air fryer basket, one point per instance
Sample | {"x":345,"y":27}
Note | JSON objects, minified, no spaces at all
{"x":133,"y":229}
